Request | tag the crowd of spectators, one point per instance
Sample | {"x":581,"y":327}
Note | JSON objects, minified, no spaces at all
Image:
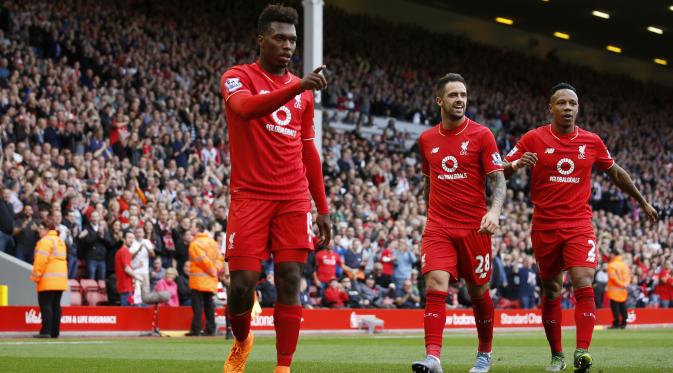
{"x":112,"y":122}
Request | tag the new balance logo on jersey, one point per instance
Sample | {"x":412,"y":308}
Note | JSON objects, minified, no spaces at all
{"x":463,"y":147}
{"x":582,"y":149}
{"x":549,"y":151}
{"x":233,"y":84}
{"x":263,"y":92}
{"x":434,"y":150}
{"x":512,"y":152}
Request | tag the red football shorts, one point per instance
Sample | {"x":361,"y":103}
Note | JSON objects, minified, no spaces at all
{"x":464,"y":253}
{"x":559,"y":249}
{"x":257,"y":228}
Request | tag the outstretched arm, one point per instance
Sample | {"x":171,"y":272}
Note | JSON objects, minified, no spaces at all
{"x":491,"y":221}
{"x":623,"y":181}
{"x":249,"y":106}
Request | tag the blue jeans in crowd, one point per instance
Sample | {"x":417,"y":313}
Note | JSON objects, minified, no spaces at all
{"x":124,"y":298}
{"x":6,"y":242}
{"x":95,"y":269}
{"x":527,"y":302}
{"x":26,"y":256}
{"x":72,"y":266}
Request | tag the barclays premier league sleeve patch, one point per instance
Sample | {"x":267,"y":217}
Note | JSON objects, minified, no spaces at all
{"x":233,"y":84}
{"x":495,"y":158}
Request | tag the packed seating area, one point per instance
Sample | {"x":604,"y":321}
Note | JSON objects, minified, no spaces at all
{"x":112,"y":120}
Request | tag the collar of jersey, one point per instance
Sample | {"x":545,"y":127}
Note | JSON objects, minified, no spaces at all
{"x":562,"y":138}
{"x":456,"y":131}
{"x":261,"y":70}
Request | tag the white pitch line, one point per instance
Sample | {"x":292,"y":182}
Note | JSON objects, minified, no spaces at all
{"x":54,"y":343}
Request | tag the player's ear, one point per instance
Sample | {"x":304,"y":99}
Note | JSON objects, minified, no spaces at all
{"x":550,"y":107}
{"x":260,"y":40}
{"x":438,"y":101}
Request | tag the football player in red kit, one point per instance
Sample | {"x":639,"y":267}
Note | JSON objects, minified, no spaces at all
{"x":561,"y":156}
{"x":274,"y":167}
{"x":458,"y":156}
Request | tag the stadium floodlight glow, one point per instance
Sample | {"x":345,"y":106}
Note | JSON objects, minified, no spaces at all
{"x":562,"y":35}
{"x":671,"y":8}
{"x":661,"y":61}
{"x":614,"y":49}
{"x":600,"y":14}
{"x":504,"y":21}
{"x":655,"y":30}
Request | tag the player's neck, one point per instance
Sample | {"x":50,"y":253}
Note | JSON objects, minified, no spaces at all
{"x":449,"y":124}
{"x":563,"y":130}
{"x":270,"y":69}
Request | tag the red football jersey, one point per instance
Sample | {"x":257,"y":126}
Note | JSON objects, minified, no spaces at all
{"x":266,"y":152}
{"x":457,"y":163}
{"x":327,"y":261}
{"x":561,"y":179}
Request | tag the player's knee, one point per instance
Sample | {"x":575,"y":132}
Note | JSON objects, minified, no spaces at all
{"x":552,"y":290}
{"x":437,"y":281}
{"x":241,"y":292}
{"x":581,"y":277}
{"x":288,"y":282}
{"x":477,"y":291}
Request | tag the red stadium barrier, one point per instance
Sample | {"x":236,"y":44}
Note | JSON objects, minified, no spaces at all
{"x":118,"y":319}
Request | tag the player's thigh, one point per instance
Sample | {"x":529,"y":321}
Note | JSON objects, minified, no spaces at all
{"x":438,"y":252}
{"x":548,"y":251}
{"x":474,"y":256}
{"x":580,"y":247}
{"x":291,"y":228}
{"x":248,"y":228}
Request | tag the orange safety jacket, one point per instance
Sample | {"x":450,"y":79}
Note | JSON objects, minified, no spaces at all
{"x":619,"y":279}
{"x":205,"y":261}
{"x":50,"y":269}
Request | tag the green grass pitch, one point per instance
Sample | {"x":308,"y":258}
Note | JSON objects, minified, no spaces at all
{"x":613,"y":351}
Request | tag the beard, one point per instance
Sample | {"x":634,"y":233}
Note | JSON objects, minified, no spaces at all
{"x":455,"y":117}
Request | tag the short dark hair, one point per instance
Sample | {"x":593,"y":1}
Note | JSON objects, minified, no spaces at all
{"x":450,"y":77}
{"x":561,"y":86}
{"x":48,"y":224}
{"x":199,"y":225}
{"x":276,"y":13}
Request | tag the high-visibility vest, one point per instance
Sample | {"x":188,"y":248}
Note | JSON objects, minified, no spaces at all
{"x":50,"y":268}
{"x":205,"y":261}
{"x":619,"y":279}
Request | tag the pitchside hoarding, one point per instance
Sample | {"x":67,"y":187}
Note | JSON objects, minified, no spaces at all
{"x":27,"y":319}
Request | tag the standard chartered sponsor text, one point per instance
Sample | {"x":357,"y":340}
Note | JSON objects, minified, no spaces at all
{"x":564,"y":179}
{"x":281,"y":130}
{"x":452,"y":176}
{"x":520,"y":319}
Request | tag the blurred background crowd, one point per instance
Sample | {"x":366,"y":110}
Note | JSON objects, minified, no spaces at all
{"x":111,"y":120}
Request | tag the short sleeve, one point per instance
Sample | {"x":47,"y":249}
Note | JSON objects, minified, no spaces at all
{"x":425,"y":165}
{"x":490,"y":156}
{"x":307,"y":127}
{"x":603,"y":159}
{"x":234,"y":81}
{"x":517,"y":151}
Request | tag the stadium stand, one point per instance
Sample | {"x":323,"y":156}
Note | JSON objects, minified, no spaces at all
{"x":110,"y":110}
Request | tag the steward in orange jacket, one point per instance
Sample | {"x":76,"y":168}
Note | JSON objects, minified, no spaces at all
{"x":50,"y":273}
{"x":206,"y":262}
{"x":619,"y":279}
